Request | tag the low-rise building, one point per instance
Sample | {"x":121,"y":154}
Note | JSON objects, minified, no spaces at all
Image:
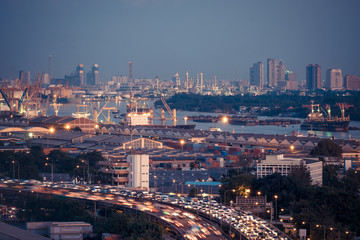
{"x":278,"y":164}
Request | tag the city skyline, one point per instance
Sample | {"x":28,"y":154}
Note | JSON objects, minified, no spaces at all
{"x":164,"y":37}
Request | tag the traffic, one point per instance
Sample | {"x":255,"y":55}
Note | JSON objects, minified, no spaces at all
{"x":183,"y":213}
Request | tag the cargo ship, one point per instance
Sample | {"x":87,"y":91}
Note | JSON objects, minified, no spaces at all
{"x":317,"y":121}
{"x":139,"y":114}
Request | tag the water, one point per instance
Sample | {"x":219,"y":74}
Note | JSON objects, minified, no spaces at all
{"x":68,"y":109}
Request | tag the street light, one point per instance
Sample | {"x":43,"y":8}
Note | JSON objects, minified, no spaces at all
{"x":226,"y":191}
{"x":225,"y":121}
{"x":88,"y":169}
{"x":182,"y":142}
{"x":276,"y":197}
{"x":231,"y":202}
{"x":292,"y":148}
{"x":185,"y":119}
{"x":83,"y":171}
{"x":52,"y":170}
{"x":174,"y":183}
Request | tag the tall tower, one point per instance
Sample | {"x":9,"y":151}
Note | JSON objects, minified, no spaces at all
{"x":197,"y":83}
{"x":177,"y":80}
{"x":214,"y":86}
{"x":334,"y":79}
{"x":187,"y":81}
{"x":257,"y":75}
{"x":80,"y":74}
{"x":313,"y":77}
{"x":157,"y":83}
{"x":281,"y":71}
{"x":201,"y":83}
{"x":271,"y":72}
{"x":95,"y":74}
{"x":49,"y":68}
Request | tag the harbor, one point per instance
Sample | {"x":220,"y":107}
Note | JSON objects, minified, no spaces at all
{"x":68,"y":109}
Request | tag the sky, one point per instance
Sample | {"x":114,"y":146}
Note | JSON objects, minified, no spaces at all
{"x":161,"y":37}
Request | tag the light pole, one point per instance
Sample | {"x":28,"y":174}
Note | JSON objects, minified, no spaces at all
{"x":292,"y":148}
{"x":175,"y":186}
{"x":182,"y":142}
{"x":13,"y":162}
{"x":226,"y":191}
{"x":231,"y":202}
{"x":52,"y":170}
{"x":155,"y":182}
{"x":83,"y":171}
{"x":225,"y":121}
{"x":88,"y":169}
{"x":276,"y":197}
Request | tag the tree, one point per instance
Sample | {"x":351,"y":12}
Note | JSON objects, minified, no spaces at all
{"x":330,"y":173}
{"x":327,"y":148}
{"x":300,"y":174}
{"x":193,"y":192}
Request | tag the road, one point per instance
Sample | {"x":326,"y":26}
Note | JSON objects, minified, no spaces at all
{"x":185,"y":223}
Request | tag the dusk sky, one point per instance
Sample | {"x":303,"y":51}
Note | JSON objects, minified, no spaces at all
{"x":161,"y":37}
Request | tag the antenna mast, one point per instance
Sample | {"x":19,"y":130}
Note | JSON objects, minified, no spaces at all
{"x":50,"y":68}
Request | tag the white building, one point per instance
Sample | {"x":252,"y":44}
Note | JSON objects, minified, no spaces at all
{"x":278,"y":164}
{"x":334,"y":79}
{"x":138,"y":171}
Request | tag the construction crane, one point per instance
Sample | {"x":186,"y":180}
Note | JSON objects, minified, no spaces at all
{"x":172,"y":113}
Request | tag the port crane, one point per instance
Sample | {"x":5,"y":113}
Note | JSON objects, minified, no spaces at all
{"x":172,"y":113}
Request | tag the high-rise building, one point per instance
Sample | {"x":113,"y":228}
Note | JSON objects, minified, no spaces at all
{"x":290,"y":78}
{"x":281,"y":71}
{"x":46,"y":78}
{"x":352,"y":82}
{"x":92,"y":76}
{"x":95,"y":72}
{"x":257,"y":75}
{"x":334,"y":79}
{"x":80,"y":74}
{"x":138,"y":171}
{"x":313,"y":77}
{"x":272,"y":72}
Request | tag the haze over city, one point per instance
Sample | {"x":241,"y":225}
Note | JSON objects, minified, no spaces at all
{"x":222,"y":38}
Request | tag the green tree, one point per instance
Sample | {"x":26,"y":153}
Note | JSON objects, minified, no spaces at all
{"x":327,"y":148}
{"x":300,"y":174}
{"x":193,"y":192}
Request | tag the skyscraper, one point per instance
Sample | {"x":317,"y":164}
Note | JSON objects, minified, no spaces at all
{"x":334,"y":79}
{"x":92,"y":76}
{"x":352,"y":82}
{"x":313,"y":77}
{"x":272,"y":72}
{"x":281,"y":71}
{"x":80,"y":73}
{"x":257,"y":75}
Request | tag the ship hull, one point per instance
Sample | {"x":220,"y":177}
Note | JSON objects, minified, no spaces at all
{"x":340,"y":126}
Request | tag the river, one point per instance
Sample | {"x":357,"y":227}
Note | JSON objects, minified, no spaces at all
{"x":68,"y":109}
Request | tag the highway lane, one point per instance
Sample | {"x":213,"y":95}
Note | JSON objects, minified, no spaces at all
{"x":185,"y":223}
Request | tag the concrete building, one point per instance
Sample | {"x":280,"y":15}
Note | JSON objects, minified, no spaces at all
{"x":138,"y":171}
{"x":257,"y":75}
{"x":313,"y":77}
{"x":80,"y":73}
{"x":272,"y":72}
{"x":352,"y":82}
{"x":334,"y":79}
{"x":61,"y":230}
{"x":281,"y":71}
{"x":9,"y":232}
{"x":278,"y":164}
{"x":92,"y":76}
